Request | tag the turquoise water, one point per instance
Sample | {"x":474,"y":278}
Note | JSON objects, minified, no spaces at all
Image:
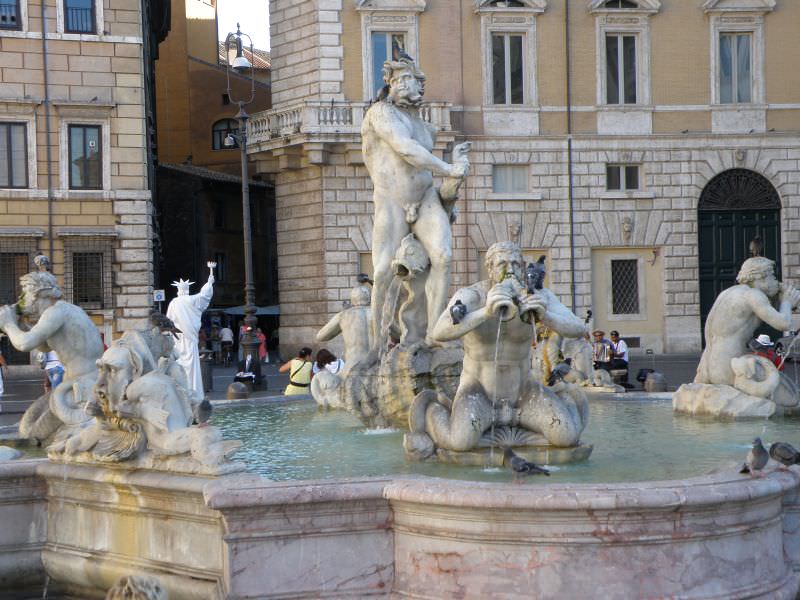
{"x":634,"y":440}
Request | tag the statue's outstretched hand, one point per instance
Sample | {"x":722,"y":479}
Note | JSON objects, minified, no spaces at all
{"x":8,"y":315}
{"x":789,"y":294}
{"x":459,"y":170}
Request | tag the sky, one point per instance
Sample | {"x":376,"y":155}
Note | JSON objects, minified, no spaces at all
{"x":252,"y":15}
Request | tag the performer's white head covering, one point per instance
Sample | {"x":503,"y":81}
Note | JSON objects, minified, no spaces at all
{"x":183,"y":286}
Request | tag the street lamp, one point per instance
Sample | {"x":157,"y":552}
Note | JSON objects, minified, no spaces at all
{"x":240,"y":65}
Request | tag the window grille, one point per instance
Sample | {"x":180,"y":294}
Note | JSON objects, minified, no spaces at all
{"x":79,"y":16}
{"x":625,"y":287}
{"x":87,"y":272}
{"x":16,"y":259}
{"x":9,"y":14}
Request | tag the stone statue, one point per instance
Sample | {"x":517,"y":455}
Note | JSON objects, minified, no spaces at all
{"x":66,"y":329}
{"x":497,"y":388}
{"x":185,"y":310}
{"x":742,"y":385}
{"x":353,"y":324}
{"x":143,"y":414}
{"x":397,"y":145}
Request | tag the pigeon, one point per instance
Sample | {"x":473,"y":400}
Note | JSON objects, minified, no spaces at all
{"x":534,"y":275}
{"x":204,"y":410}
{"x":784,"y":453}
{"x":558,"y":373}
{"x":756,"y":459}
{"x":457,"y":312}
{"x":163,"y":323}
{"x":364,"y":278}
{"x":520,"y":466}
{"x":756,"y":247}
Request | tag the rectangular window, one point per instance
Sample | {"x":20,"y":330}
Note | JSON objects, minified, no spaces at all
{"x":622,"y":177}
{"x":87,"y":279}
{"x":13,"y":155}
{"x":13,"y":265}
{"x":507,"y":69}
{"x":735,"y":69}
{"x":620,"y":69}
{"x":85,"y":157}
{"x":510,"y":178}
{"x":88,"y":272}
{"x":9,"y":14}
{"x":221,"y":270}
{"x":385,"y":45}
{"x":79,"y":16}
{"x":625,"y":287}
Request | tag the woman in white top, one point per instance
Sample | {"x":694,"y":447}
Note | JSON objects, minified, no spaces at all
{"x":326,"y":360}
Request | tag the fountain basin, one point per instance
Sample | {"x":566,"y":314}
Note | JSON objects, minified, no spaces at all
{"x":241,"y":536}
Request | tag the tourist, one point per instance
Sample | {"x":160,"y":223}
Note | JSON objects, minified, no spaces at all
{"x":262,"y":345}
{"x":602,"y":350}
{"x":226,"y":339}
{"x":299,"y":370}
{"x":248,"y":371}
{"x":327,"y":361}
{"x":763,"y":346}
{"x":53,"y":368}
{"x":619,"y":359}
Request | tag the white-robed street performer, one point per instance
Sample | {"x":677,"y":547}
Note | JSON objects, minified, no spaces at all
{"x":185,"y":311}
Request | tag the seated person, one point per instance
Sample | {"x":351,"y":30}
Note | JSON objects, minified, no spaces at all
{"x":327,"y":361}
{"x":619,"y":358}
{"x":763,"y":346}
{"x":602,"y":350}
{"x":249,"y":371}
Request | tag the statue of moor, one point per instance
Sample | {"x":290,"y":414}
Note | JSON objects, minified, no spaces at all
{"x":397,"y":145}
{"x":497,"y":386}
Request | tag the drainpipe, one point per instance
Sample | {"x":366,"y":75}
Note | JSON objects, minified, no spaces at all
{"x":47,"y":134}
{"x":569,"y":159}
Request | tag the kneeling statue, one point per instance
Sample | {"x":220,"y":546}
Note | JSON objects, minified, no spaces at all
{"x":497,"y":390}
{"x":731,"y":381}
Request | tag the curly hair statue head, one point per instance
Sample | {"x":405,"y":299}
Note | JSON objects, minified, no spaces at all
{"x":42,"y":283}
{"x":755,"y":268}
{"x":502,"y":248}
{"x":404,"y":63}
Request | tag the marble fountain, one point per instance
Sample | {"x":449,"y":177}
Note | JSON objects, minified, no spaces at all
{"x":396,"y":488}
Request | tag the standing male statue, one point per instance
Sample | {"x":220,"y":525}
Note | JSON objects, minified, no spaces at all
{"x":185,"y":311}
{"x":397,"y":144}
{"x":66,"y":329}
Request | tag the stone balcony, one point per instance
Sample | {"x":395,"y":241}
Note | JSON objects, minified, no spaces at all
{"x":306,"y":127}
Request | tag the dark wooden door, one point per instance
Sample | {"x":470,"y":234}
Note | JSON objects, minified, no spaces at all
{"x":735,"y":207}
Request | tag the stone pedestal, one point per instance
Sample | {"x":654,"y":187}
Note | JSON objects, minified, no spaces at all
{"x":543,"y":454}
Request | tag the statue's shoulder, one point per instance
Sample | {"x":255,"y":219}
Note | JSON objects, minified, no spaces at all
{"x":474,"y":294}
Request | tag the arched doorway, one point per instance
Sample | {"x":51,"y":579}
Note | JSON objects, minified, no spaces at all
{"x":735,"y":206}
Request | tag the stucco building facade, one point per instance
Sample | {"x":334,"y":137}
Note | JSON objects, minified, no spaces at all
{"x":640,"y":145}
{"x":73,"y":154}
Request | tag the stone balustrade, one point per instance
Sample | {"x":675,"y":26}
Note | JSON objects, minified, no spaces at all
{"x":316,"y":119}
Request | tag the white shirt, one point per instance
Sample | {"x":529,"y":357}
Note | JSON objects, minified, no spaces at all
{"x":226,"y":335}
{"x":332,"y":367}
{"x":51,"y":361}
{"x":621,"y":348}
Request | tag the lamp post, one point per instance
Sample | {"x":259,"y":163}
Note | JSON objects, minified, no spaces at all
{"x":240,"y":65}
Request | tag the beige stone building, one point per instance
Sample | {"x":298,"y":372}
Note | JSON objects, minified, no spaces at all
{"x":639,"y":144}
{"x":73,"y":154}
